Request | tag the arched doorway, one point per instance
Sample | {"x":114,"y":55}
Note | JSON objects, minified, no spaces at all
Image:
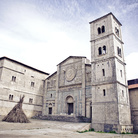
{"x":70,"y":104}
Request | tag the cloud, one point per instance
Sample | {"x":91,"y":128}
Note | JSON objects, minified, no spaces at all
{"x":43,"y":33}
{"x":130,"y":7}
{"x":132,"y":66}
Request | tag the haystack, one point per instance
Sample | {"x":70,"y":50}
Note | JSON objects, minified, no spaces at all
{"x":17,"y":114}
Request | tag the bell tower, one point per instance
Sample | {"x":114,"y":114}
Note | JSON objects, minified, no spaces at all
{"x":110,"y":99}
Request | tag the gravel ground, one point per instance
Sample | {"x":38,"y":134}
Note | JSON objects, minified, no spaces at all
{"x":51,"y":129}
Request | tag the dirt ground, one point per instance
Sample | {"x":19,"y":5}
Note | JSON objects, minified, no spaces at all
{"x":51,"y":129}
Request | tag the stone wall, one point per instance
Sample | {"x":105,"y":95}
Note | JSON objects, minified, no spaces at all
{"x":18,"y":80}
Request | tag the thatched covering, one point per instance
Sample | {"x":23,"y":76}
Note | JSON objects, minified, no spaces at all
{"x":17,"y":114}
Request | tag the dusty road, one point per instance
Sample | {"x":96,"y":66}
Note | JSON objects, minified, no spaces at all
{"x":51,"y":129}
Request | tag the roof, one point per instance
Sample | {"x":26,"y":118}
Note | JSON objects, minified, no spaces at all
{"x":12,"y":60}
{"x":105,"y":16}
{"x":51,"y":75}
{"x":71,"y":57}
{"x":132,"y":84}
{"x":134,"y":81}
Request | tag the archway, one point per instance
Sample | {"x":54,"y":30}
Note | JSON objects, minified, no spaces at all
{"x":70,"y":105}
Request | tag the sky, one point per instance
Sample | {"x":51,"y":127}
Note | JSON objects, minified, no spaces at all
{"x":42,"y":33}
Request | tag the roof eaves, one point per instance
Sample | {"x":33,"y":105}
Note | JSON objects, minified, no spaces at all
{"x":23,"y":65}
{"x":71,"y":57}
{"x":104,"y":17}
{"x":51,"y":75}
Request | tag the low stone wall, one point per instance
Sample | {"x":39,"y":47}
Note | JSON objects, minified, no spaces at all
{"x":64,"y":118}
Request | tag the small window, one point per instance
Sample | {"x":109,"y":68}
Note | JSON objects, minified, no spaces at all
{"x":104,"y":93}
{"x":30,"y":100}
{"x":122,"y":93}
{"x":51,"y":95}
{"x":100,"y":51}
{"x":32,"y":84}
{"x":99,"y":30}
{"x":103,"y":29}
{"x":104,"y":49}
{"x":13,"y":78}
{"x":103,"y":72}
{"x":119,"y":51}
{"x":121,"y":73}
{"x":11,"y":97}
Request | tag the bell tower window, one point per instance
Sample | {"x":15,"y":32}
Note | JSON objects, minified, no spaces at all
{"x":104,"y":49}
{"x":99,"y":30}
{"x":13,"y":78}
{"x":116,"y":31}
{"x":100,"y":51}
{"x":103,"y":29}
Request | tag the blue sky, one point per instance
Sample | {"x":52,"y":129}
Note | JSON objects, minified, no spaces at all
{"x":42,"y":33}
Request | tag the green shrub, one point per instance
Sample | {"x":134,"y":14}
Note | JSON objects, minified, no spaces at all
{"x":126,"y":133}
{"x":112,"y":132}
{"x":91,"y":129}
{"x":100,"y":132}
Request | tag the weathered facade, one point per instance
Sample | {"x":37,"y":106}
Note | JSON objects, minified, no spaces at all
{"x":18,"y":79}
{"x":96,"y":90}
{"x":68,"y":91}
{"x":110,"y":98}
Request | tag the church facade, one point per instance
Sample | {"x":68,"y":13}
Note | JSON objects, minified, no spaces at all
{"x":68,"y":90}
{"x":96,"y":90}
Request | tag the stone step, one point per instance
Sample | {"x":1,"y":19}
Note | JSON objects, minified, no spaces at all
{"x":66,"y":118}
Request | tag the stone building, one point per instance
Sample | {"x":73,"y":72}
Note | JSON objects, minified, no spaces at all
{"x":110,"y":98}
{"x":68,"y":90}
{"x":133,"y":94}
{"x":18,"y":79}
{"x":96,"y":90}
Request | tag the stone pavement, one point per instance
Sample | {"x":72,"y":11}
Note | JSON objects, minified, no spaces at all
{"x":51,"y":129}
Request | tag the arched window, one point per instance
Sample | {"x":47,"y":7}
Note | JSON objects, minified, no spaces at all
{"x":104,"y":49}
{"x":10,"y":97}
{"x":99,"y":30}
{"x":116,"y":31}
{"x":100,"y":50}
{"x":103,"y":29}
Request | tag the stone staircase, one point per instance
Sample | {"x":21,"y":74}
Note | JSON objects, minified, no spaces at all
{"x":64,"y":118}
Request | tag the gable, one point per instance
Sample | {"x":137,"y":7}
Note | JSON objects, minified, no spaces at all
{"x":71,"y":59}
